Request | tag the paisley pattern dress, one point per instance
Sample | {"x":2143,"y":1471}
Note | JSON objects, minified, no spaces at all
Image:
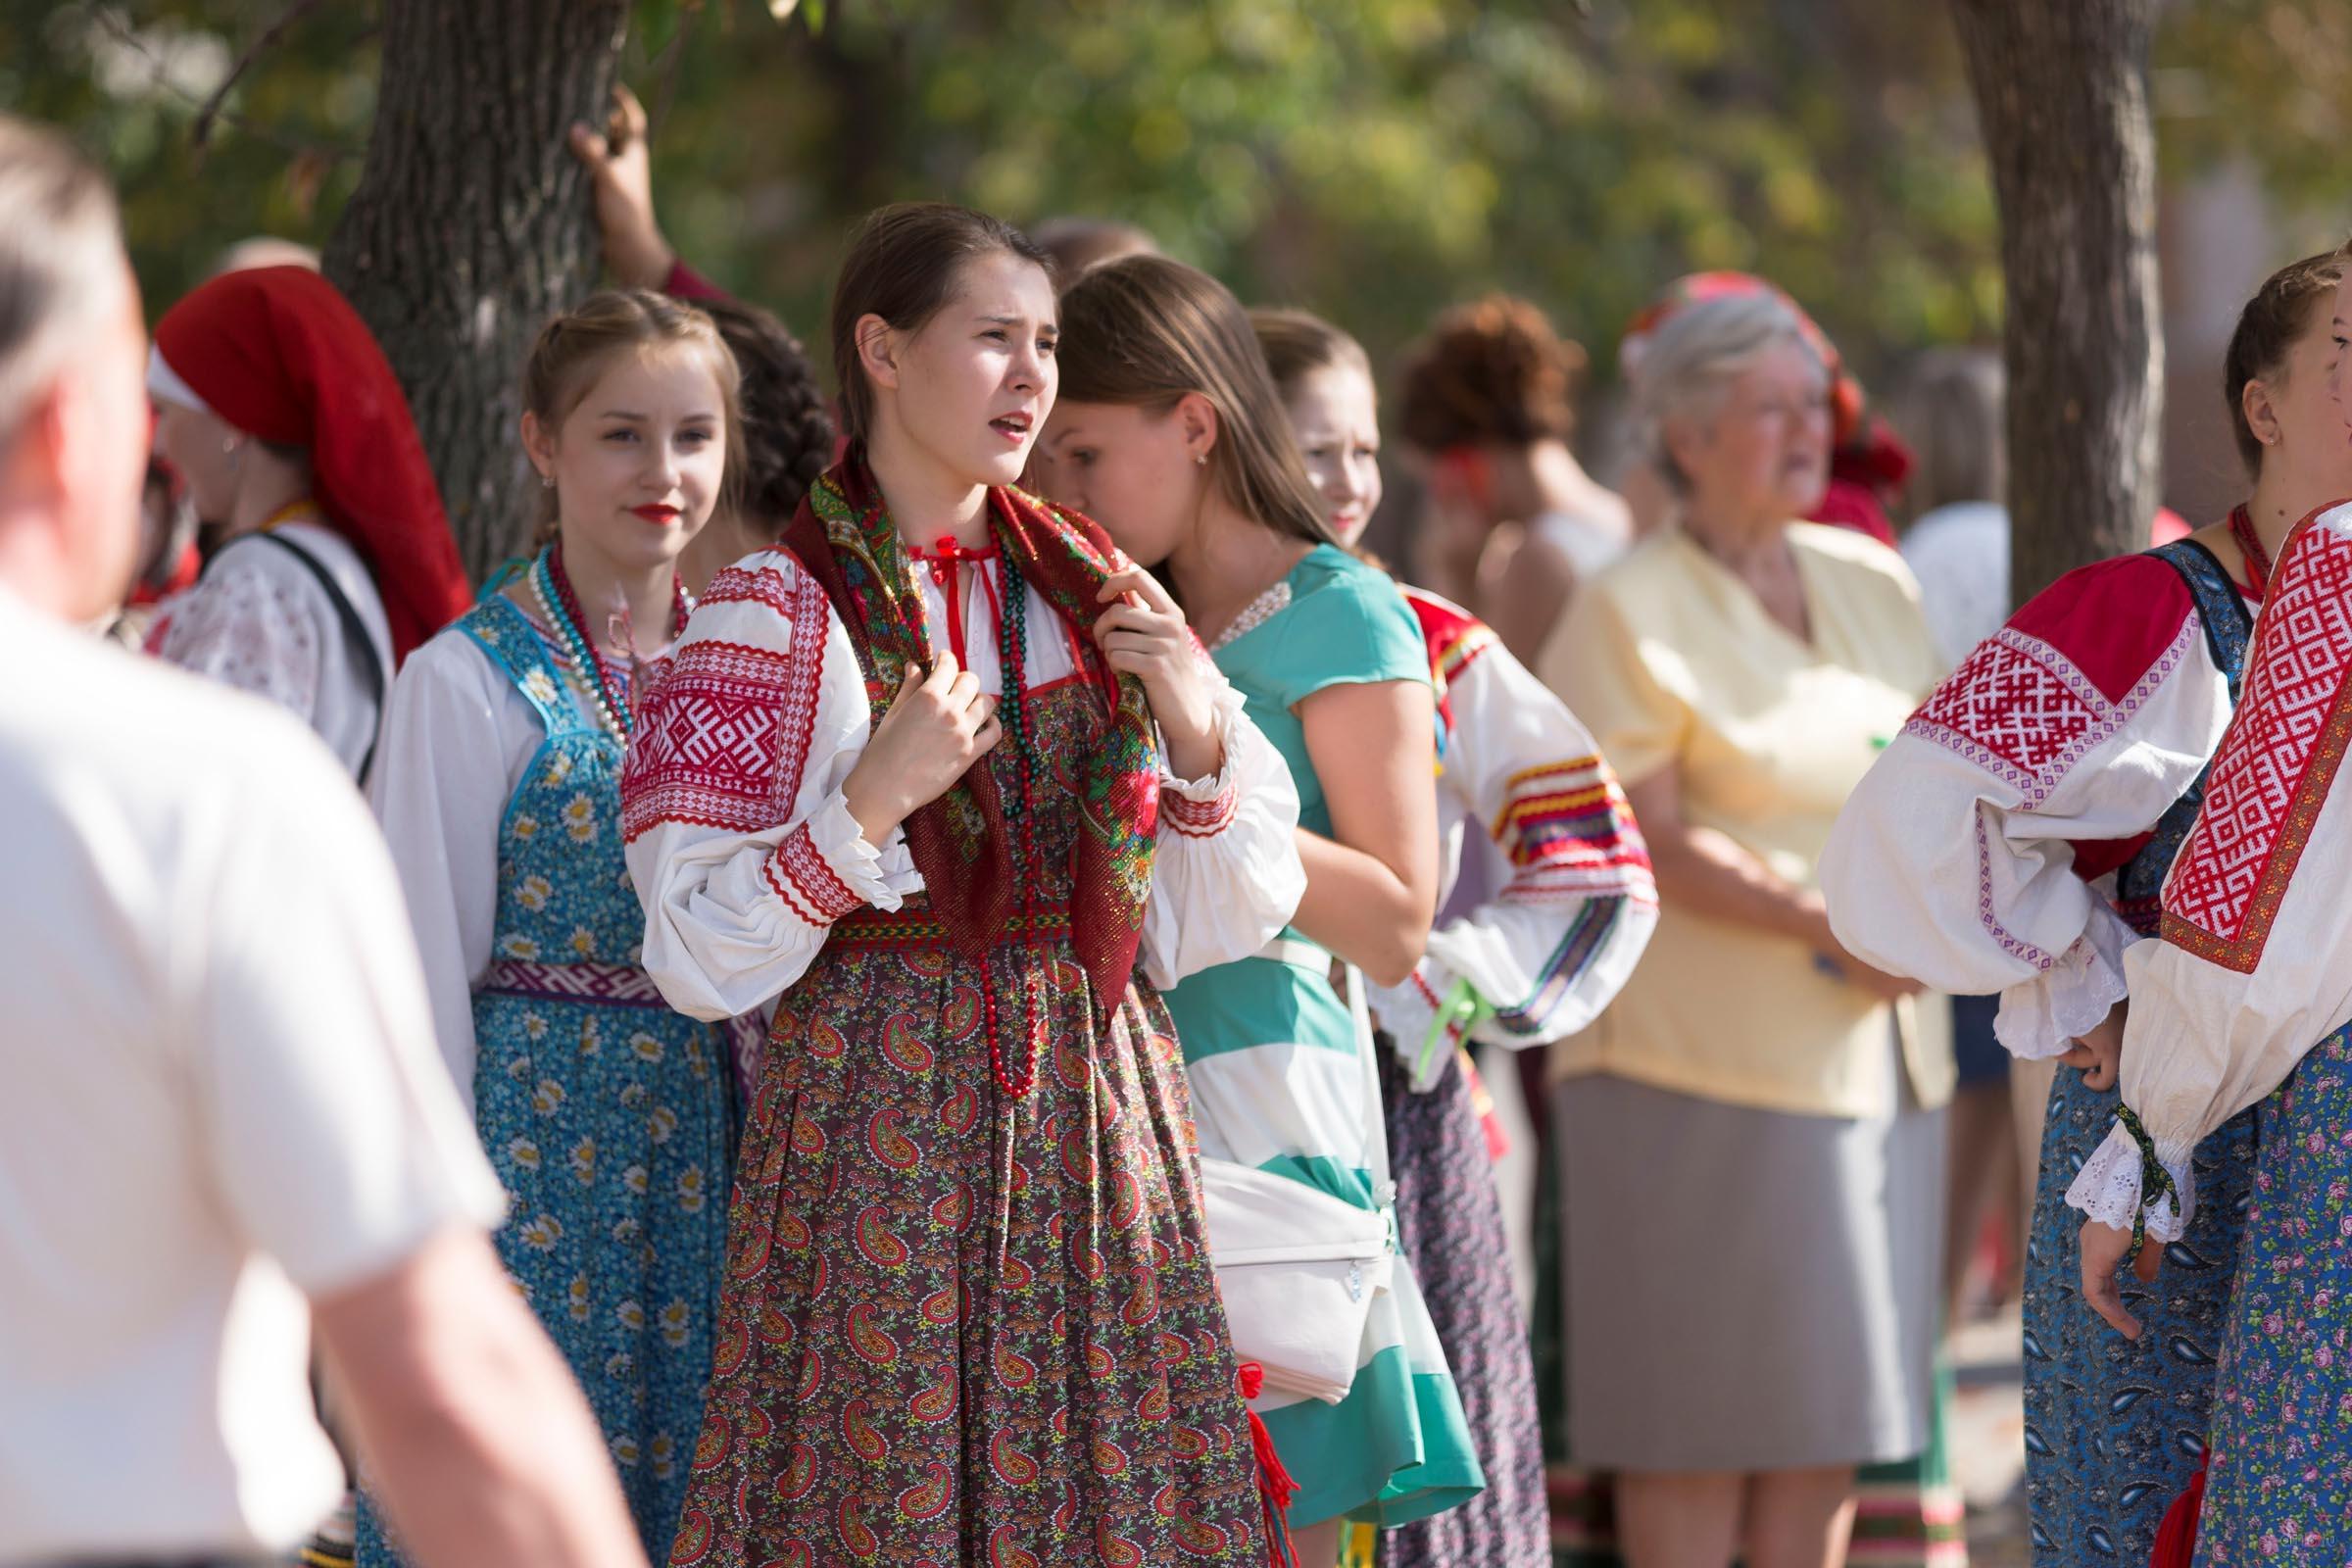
{"x":608,"y":1117}
{"x":966,"y":1320}
{"x":916,"y":1255}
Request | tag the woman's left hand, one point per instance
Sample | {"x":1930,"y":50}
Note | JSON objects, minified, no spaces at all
{"x":1144,"y":634}
{"x":2104,"y":1249}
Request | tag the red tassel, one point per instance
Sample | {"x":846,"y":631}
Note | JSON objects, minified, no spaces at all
{"x":1275,"y":1486}
{"x":2177,"y":1537}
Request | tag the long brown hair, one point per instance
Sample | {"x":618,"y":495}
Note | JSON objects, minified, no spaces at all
{"x":1299,"y":343}
{"x":902,"y":263}
{"x":576,"y":346}
{"x":2278,"y":314}
{"x":1143,"y":332}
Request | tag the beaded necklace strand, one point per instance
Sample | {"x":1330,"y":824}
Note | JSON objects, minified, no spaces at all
{"x":550,"y":586}
{"x":1012,"y":638}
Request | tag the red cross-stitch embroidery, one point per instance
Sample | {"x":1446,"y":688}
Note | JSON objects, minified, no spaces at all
{"x":725,"y":735}
{"x":2024,"y":711}
{"x":2276,"y":763}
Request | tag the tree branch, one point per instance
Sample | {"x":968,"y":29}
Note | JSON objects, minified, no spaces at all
{"x":202,"y":131}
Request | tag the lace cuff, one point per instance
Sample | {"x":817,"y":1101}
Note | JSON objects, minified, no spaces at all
{"x":824,"y":868}
{"x":2107,"y":1187}
{"x":2044,"y":1016}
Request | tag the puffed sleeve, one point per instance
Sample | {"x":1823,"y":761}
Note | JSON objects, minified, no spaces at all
{"x":1542,"y":957}
{"x":245,"y":627}
{"x":442,"y":780}
{"x":1225,"y":871}
{"x":739,"y":842}
{"x":1960,"y":859}
{"x":2254,"y":966}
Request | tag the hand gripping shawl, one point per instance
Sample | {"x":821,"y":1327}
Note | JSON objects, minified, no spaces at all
{"x":961,"y":844}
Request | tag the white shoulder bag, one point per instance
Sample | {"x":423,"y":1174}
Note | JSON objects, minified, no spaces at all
{"x":1298,"y":1267}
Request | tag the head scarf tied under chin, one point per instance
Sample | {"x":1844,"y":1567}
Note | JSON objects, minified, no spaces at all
{"x":960,"y":842}
{"x":278,"y":354}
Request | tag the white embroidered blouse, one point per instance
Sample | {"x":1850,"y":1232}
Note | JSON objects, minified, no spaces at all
{"x":744,"y":853}
{"x":1520,"y":780}
{"x":260,"y":621}
{"x":1976,"y":855}
{"x":2254,"y":966}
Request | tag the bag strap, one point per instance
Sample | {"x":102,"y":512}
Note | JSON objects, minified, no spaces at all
{"x":355,"y":631}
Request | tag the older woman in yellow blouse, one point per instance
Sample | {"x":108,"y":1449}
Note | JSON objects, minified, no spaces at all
{"x":1752,"y":1134}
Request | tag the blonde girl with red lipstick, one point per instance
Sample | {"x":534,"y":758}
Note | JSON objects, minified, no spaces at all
{"x":608,"y":1116}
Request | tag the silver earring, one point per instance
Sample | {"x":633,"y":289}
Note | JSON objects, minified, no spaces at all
{"x":1200,"y":460}
{"x":547,"y":481}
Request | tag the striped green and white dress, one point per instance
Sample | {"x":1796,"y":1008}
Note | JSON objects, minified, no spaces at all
{"x":1278,"y":1082}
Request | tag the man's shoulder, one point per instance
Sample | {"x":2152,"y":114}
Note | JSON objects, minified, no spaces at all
{"x":86,"y":715}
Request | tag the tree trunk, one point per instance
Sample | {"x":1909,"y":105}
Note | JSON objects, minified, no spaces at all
{"x":2061,"y":89}
{"x":472,"y":223}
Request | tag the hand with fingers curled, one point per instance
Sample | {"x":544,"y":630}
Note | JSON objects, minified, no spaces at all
{"x":2104,"y":1250}
{"x":2099,"y":1050}
{"x":1144,"y":634}
{"x":936,"y":726}
{"x":620,"y":172}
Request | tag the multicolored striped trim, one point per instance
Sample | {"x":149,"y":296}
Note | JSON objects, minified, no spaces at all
{"x":920,"y":928}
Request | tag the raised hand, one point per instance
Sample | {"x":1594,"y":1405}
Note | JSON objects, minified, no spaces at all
{"x":620,"y":170}
{"x":1144,"y":634}
{"x":936,"y":727}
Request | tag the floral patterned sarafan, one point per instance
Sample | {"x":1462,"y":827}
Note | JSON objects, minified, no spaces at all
{"x":2278,"y":1491}
{"x":962,"y":1327}
{"x":608,"y":1116}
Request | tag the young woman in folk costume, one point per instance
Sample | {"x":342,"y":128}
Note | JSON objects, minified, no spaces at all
{"x":608,"y":1117}
{"x":277,"y":410}
{"x":1171,"y":431}
{"x":2247,"y":1001}
{"x":2014,"y":838}
{"x":1573,"y":907}
{"x":949,"y":774}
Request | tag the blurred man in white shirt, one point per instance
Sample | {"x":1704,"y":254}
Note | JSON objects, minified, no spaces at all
{"x":224,"y":1123}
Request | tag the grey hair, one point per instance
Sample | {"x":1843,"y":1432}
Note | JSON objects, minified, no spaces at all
{"x":61,"y":260}
{"x":1692,"y":359}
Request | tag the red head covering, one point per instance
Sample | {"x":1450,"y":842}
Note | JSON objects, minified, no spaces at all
{"x":278,"y":354}
{"x":1869,"y":463}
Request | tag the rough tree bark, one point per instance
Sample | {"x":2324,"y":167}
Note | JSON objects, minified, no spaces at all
{"x":471,"y":222}
{"x":2061,"y":89}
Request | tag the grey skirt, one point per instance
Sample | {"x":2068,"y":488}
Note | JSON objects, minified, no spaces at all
{"x":1746,"y":1289}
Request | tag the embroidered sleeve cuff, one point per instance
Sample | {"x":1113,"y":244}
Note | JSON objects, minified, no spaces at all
{"x":2044,"y":1015}
{"x":2107,"y":1188}
{"x":824,"y":868}
{"x":1201,"y":807}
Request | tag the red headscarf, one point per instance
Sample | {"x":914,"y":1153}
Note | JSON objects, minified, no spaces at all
{"x":1868,"y":462}
{"x":277,"y":353}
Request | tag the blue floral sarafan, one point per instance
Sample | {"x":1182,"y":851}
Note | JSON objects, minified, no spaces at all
{"x":608,"y":1116}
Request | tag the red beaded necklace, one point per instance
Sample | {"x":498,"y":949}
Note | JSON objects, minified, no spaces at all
{"x":2249,"y":545}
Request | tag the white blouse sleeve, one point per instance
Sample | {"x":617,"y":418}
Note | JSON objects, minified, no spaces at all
{"x":739,"y":842}
{"x":2220,"y":1012}
{"x":1543,"y":957}
{"x":1953,"y":861}
{"x":246,"y":626}
{"x":443,"y":776}
{"x":1225,"y":871}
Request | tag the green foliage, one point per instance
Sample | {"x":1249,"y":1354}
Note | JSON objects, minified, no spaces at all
{"x":1372,"y":159}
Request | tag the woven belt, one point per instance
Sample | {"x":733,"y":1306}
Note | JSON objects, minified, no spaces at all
{"x":920,"y":928}
{"x":614,"y":985}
